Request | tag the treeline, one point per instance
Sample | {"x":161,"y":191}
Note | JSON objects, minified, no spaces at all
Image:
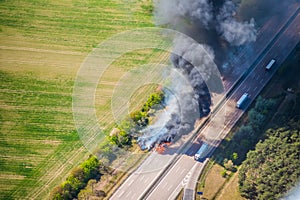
{"x":122,"y":134}
{"x":273,"y":167}
{"x":82,"y":177}
{"x":78,"y":179}
{"x":247,"y":135}
{"x":141,"y":117}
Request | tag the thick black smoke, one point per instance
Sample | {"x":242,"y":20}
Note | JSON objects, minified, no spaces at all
{"x":205,"y":21}
{"x":261,"y":11}
{"x":234,"y":32}
{"x":175,"y":13}
{"x":211,"y":24}
{"x":197,"y":75}
{"x":187,"y":98}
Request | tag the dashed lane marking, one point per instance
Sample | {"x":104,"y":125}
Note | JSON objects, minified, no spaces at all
{"x":121,"y":194}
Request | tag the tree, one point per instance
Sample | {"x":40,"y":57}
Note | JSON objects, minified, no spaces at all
{"x":57,"y":193}
{"x":136,"y":116}
{"x":88,"y":191}
{"x":78,"y":173}
{"x":90,"y":167}
{"x":114,"y":140}
{"x":229,"y":165}
{"x":224,"y":173}
{"x":77,"y":180}
{"x":124,"y":138}
{"x":75,"y":184}
{"x":244,"y":132}
{"x":100,"y":193}
{"x":273,"y":167}
{"x":235,"y":156}
{"x":256,"y":119}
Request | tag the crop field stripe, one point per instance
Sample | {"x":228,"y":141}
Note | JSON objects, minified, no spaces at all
{"x":42,"y":45}
{"x":21,"y":148}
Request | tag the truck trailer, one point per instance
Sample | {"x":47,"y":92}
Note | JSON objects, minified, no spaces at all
{"x":203,"y":152}
{"x":270,"y":64}
{"x":243,"y":98}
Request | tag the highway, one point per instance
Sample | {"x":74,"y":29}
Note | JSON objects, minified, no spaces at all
{"x":151,"y":180}
{"x":252,"y":84}
{"x":249,"y":55}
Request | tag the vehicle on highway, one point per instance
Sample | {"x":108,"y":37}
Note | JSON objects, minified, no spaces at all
{"x":270,"y":64}
{"x":243,"y":98}
{"x":203,"y":152}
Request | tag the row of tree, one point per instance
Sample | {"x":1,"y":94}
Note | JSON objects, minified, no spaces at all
{"x":122,"y":134}
{"x":78,"y":179}
{"x":82,"y":178}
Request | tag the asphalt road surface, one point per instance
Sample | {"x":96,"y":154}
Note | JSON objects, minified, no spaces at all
{"x":252,"y":84}
{"x":142,"y":180}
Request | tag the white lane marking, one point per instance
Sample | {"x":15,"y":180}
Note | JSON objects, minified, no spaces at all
{"x":186,"y":178}
{"x":142,"y":178}
{"x":177,"y":190}
{"x":146,"y":180}
{"x":169,"y":188}
{"x":181,"y":171}
{"x":164,"y":185}
{"x":246,"y":88}
{"x":261,"y":80}
{"x":128,"y":193}
{"x":176,"y":164}
{"x":133,"y":196}
{"x":177,"y":169}
{"x":130,"y":182}
{"x":255,"y":88}
{"x":121,"y":194}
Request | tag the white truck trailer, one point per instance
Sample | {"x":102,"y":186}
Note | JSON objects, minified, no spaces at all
{"x":243,"y":98}
{"x":202,"y":153}
{"x":270,"y":64}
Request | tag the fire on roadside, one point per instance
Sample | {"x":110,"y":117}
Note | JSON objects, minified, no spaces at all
{"x":160,"y":148}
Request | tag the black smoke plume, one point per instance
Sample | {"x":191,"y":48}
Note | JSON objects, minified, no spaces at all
{"x":213,"y":24}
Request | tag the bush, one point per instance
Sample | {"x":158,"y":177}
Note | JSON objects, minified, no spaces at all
{"x":90,"y":168}
{"x":228,"y":164}
{"x":100,"y":193}
{"x":137,"y":119}
{"x":77,"y":180}
{"x":224,"y":173}
{"x":235,"y":156}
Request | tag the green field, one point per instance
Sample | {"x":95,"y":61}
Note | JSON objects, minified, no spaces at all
{"x":42,"y":45}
